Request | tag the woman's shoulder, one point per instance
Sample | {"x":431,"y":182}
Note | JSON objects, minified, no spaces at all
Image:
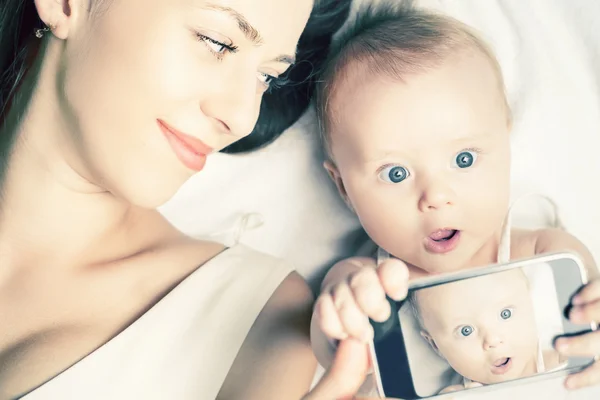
{"x":211,"y":267}
{"x":195,"y":253}
{"x":276,"y":356}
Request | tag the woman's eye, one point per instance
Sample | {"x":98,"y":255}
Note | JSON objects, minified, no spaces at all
{"x":466,"y":330}
{"x":466,"y":158}
{"x":216,"y":47}
{"x":265,"y":78}
{"x":506,"y":313}
{"x":394,"y":174}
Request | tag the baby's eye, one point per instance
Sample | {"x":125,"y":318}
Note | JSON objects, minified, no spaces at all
{"x":394,"y":174}
{"x":466,"y":158}
{"x":506,"y":313}
{"x":466,"y":330}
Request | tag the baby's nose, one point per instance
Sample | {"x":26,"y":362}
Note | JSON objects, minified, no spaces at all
{"x":492,"y":342}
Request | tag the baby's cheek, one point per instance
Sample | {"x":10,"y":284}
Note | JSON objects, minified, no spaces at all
{"x":465,"y":350}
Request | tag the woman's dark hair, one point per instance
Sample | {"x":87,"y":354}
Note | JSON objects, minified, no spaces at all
{"x":18,"y":22}
{"x":280,"y":108}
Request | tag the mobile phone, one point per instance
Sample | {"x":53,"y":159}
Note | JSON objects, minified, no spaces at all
{"x":478,"y":328}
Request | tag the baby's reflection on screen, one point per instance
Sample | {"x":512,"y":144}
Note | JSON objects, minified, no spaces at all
{"x":485,"y":328}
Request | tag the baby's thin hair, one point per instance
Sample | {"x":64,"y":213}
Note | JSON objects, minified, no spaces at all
{"x":395,"y":41}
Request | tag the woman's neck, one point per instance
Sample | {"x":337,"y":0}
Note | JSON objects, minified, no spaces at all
{"x":50,"y":210}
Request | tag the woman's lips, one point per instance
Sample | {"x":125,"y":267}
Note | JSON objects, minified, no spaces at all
{"x":442,"y":241}
{"x":191,"y":151}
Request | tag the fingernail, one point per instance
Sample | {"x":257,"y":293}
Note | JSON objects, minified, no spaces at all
{"x":577,"y":300}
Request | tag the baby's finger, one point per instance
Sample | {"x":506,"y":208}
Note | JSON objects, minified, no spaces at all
{"x":346,"y":374}
{"x":393,"y":275}
{"x":587,"y":344}
{"x":589,"y":293}
{"x":369,"y":294}
{"x":586,"y":313}
{"x":328,"y":318}
{"x":587,"y":377}
{"x":354,"y":321}
{"x":451,"y":389}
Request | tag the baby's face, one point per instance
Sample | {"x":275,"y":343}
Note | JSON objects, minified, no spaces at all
{"x":425,"y":164}
{"x":484,"y":327}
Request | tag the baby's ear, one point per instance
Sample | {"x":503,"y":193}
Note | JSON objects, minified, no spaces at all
{"x":335,"y":176}
{"x":425,"y":335}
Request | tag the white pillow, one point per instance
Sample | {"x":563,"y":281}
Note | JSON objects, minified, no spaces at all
{"x":549,"y":52}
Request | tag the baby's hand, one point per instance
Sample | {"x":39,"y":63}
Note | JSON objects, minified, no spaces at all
{"x":585,"y":308}
{"x":344,"y":307}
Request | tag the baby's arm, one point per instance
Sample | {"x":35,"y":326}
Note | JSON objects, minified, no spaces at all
{"x":353,"y":291}
{"x":555,"y":240}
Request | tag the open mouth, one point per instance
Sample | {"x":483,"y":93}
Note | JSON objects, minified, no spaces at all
{"x":502,"y":362}
{"x":442,"y":241}
{"x":443,"y":235}
{"x":502,"y":366}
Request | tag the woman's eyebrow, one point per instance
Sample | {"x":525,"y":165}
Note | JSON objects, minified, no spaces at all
{"x":286,"y":59}
{"x":249,"y":31}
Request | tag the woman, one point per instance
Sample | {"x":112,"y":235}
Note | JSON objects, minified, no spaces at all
{"x":107,"y":107}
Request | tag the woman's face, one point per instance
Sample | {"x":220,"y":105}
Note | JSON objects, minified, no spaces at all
{"x":134,"y":71}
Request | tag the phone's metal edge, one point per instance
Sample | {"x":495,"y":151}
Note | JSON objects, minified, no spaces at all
{"x":507,"y":384}
{"x":375,"y":363}
{"x":493,"y":268}
{"x":479,"y":271}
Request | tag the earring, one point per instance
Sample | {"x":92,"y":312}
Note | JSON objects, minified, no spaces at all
{"x":39,"y":33}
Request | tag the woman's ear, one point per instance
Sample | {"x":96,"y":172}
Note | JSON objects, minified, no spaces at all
{"x":59,"y":15}
{"x":335,"y":176}
{"x":425,"y":335}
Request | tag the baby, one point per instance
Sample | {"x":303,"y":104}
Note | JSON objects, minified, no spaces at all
{"x":415,"y":124}
{"x":484,"y":327}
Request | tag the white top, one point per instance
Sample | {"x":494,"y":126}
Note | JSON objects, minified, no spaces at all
{"x":183,"y":347}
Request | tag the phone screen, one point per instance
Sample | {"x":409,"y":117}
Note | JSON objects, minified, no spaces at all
{"x":479,"y":328}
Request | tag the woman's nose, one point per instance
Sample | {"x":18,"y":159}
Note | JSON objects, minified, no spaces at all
{"x":234,"y":107}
